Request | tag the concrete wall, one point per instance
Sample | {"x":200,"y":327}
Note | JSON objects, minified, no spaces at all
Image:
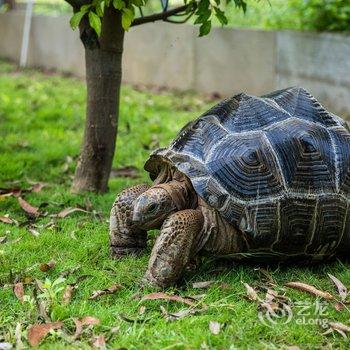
{"x":227,"y":61}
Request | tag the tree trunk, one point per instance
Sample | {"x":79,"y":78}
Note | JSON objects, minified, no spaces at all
{"x":11,"y":4}
{"x":103,"y":59}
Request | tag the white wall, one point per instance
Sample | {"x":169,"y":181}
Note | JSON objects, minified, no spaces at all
{"x":227,"y":61}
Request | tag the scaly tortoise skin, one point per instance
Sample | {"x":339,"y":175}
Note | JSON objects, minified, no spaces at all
{"x":263,"y":178}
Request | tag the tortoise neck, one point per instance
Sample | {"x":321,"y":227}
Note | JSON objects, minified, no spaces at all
{"x":181,"y":192}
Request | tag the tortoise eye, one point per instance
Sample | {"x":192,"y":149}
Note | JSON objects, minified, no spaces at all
{"x":152,"y":207}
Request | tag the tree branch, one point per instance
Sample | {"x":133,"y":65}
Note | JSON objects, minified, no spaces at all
{"x":161,"y":16}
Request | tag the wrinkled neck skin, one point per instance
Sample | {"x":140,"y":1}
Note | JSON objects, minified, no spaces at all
{"x":178,"y":186}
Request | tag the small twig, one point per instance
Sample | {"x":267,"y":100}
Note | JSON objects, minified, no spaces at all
{"x":159,"y":16}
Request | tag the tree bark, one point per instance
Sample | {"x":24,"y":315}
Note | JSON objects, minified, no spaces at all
{"x":103,"y":59}
{"x":11,"y":4}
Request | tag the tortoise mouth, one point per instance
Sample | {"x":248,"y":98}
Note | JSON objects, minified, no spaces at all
{"x":148,"y":225}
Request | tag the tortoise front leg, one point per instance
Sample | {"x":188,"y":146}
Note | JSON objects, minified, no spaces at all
{"x":125,"y":238}
{"x":174,"y":247}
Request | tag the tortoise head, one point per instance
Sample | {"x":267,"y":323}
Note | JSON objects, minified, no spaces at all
{"x":152,"y":207}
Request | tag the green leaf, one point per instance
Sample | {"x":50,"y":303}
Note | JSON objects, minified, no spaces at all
{"x":138,"y":3}
{"x":100,"y":8}
{"x":76,"y":18}
{"x":118,"y":4}
{"x":203,"y":17}
{"x":95,"y":22}
{"x":127,"y":18}
{"x":204,"y":29}
{"x":85,"y":8}
{"x":220,"y":15}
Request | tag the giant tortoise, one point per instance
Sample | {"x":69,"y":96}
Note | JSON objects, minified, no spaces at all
{"x":263,"y":178}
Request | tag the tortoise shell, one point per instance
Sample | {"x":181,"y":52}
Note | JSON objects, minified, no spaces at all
{"x":277,"y":167}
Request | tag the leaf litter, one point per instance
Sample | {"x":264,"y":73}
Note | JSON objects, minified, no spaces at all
{"x":303,"y":287}
{"x":110,"y":290}
{"x":37,"y":331}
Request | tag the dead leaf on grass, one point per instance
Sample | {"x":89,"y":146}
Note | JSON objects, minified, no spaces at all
{"x":34,"y":232}
{"x":47,"y":266}
{"x":214,"y":327}
{"x":251,"y":292}
{"x":142,"y":310}
{"x":342,"y":290}
{"x":85,"y":321}
{"x":28,"y":208}
{"x":173,"y":316}
{"x":339,"y":327}
{"x":168,"y":297}
{"x":14,"y":191}
{"x":68,"y":211}
{"x":19,"y":291}
{"x":18,"y":336}
{"x":99,"y":342}
{"x":3,"y":239}
{"x":98,"y":293}
{"x":68,"y":294}
{"x":309,"y":289}
{"x":38,"y":331}
{"x":7,"y":220}
{"x":203,"y":285}
{"x":37,"y":187}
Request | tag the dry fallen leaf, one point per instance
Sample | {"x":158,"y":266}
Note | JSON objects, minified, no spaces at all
{"x":19,"y":291}
{"x":47,"y":266}
{"x":202,"y":285}
{"x":342,"y":290}
{"x":18,"y":336}
{"x":293,"y":347}
{"x":68,"y":293}
{"x":164,"y":296}
{"x":6,"y":220}
{"x":251,"y":292}
{"x":214,"y":327}
{"x":339,"y":327}
{"x":85,"y":321}
{"x":309,"y":289}
{"x":28,"y":208}
{"x":38,"y":331}
{"x":173,"y":316}
{"x":142,"y":310}
{"x":68,"y":211}
{"x":34,"y":232}
{"x":37,"y":187}
{"x":12,"y":191}
{"x":99,"y":342}
{"x":3,"y":240}
{"x":112,"y":289}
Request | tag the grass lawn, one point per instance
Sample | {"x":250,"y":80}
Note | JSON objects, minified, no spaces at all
{"x":41,"y":125}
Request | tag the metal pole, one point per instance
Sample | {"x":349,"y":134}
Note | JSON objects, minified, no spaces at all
{"x":26,"y":33}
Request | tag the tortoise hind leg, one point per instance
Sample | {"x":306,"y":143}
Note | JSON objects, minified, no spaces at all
{"x":174,"y":247}
{"x":126,"y":239}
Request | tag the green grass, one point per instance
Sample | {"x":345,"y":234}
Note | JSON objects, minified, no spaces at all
{"x":41,"y":124}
